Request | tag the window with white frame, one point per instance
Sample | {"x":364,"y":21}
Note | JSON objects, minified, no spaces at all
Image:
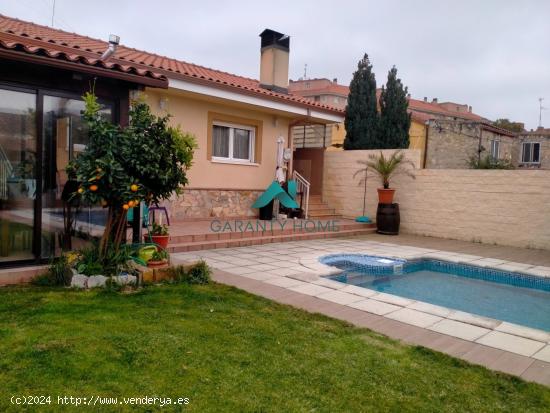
{"x":530,"y":152}
{"x":495,"y":149}
{"x":233,"y":143}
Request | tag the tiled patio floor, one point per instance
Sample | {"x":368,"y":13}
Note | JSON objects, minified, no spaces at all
{"x":528,"y":256}
{"x":290,"y":273}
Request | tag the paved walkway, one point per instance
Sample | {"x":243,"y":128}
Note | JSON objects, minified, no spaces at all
{"x":290,"y":273}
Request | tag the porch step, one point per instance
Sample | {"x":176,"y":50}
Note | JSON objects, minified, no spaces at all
{"x":288,"y":229}
{"x":317,"y":215}
{"x":320,"y":210}
{"x":265,"y":239}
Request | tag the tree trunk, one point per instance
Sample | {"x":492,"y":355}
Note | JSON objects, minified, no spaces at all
{"x":115,"y":230}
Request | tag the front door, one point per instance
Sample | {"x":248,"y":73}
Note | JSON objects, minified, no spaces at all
{"x":309,"y":162}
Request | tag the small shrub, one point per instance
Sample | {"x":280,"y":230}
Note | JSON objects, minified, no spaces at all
{"x":91,"y":263}
{"x":157,"y":229}
{"x":159,"y":255}
{"x":58,"y":274}
{"x":488,"y":162}
{"x":198,"y":274}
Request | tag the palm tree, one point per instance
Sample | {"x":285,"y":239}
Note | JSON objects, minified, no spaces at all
{"x":385,"y":167}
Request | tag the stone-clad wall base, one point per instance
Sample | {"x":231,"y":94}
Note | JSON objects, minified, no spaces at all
{"x":505,"y":207}
{"x":214,"y":203}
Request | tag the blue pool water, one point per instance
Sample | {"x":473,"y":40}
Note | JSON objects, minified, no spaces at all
{"x":514,"y":297}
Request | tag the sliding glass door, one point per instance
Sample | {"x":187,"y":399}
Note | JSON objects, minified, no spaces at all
{"x":18,"y":180}
{"x":40,"y":132}
{"x":66,"y":223}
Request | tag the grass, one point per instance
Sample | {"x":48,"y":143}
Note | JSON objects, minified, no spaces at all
{"x":227,"y":350}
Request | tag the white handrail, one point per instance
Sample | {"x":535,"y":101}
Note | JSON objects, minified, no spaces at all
{"x":302,"y":186}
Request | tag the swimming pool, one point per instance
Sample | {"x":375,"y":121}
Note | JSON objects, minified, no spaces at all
{"x":509,"y":296}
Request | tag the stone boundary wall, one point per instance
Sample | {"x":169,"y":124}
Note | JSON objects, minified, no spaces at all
{"x":214,"y":203}
{"x":504,"y":207}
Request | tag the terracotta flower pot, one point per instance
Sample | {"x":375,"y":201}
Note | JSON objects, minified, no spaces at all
{"x":160,"y":240}
{"x":156,"y":264}
{"x":385,"y":196}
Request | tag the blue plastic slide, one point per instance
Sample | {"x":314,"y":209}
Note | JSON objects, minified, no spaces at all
{"x":275,"y":191}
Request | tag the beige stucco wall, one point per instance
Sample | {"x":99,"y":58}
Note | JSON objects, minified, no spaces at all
{"x":191,"y":113}
{"x":505,"y":207}
{"x":344,"y":192}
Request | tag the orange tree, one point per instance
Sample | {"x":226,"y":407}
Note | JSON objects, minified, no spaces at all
{"x":120,"y":167}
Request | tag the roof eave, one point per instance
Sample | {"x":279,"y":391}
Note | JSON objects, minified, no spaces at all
{"x":330,"y":116}
{"x":84,"y":68}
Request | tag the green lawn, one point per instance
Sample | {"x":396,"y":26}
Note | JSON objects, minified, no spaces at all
{"x":227,"y":350}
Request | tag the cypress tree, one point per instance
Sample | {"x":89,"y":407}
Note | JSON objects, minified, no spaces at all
{"x":361,"y":115}
{"x":394,"y":119}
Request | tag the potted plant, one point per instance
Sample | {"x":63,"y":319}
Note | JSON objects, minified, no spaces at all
{"x":158,"y":259}
{"x":158,"y":233}
{"x":386,"y":168}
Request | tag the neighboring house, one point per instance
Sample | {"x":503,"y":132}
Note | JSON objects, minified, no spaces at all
{"x":237,"y":122}
{"x":452,"y":143}
{"x":448,"y":133}
{"x":534,"y":149}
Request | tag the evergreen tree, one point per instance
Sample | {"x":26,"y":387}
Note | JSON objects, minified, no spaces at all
{"x":394,"y":119}
{"x":361,"y":115}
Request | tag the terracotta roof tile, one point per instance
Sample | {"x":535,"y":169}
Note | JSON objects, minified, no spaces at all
{"x":23,"y":37}
{"x":36,"y":39}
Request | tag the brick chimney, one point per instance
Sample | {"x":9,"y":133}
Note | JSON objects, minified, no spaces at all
{"x":434,"y":100}
{"x":275,"y":49}
{"x":425,"y":99}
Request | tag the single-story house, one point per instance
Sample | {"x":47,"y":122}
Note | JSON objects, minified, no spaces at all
{"x":45,"y":71}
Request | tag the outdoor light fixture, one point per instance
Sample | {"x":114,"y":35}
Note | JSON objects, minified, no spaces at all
{"x":114,"y":41}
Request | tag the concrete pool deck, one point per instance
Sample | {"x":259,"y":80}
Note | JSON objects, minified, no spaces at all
{"x":290,"y":273}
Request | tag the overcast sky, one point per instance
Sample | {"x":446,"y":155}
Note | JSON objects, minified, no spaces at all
{"x":493,"y":55}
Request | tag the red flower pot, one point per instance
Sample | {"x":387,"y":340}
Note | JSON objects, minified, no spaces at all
{"x":157,"y":264}
{"x":160,"y":240}
{"x":385,"y":196}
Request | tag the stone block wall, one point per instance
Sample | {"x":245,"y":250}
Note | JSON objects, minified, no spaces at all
{"x":214,"y":203}
{"x":452,"y":143}
{"x":504,"y":207}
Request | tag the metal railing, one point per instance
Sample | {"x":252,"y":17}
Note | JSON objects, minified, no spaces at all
{"x":302,"y":187}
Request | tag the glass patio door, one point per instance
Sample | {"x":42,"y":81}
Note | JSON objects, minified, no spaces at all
{"x":66,"y":224}
{"x":18,"y":180}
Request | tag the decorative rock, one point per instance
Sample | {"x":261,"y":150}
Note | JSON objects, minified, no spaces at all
{"x":124,"y":279}
{"x":96,"y":281}
{"x":79,"y":281}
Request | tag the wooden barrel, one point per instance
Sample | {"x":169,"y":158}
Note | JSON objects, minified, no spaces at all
{"x":387,"y":219}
